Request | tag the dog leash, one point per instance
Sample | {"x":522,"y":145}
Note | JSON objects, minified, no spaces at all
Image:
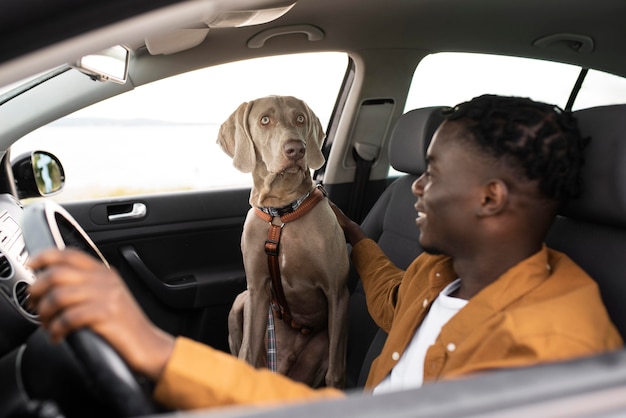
{"x":272,"y":244}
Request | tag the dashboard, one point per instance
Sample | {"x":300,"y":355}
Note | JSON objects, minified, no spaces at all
{"x":18,"y":320}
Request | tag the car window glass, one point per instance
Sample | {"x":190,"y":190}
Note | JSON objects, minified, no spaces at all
{"x":601,"y":89}
{"x":162,"y":136}
{"x":451,"y":78}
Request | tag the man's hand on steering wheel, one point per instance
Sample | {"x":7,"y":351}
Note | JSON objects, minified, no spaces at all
{"x":74,"y":290}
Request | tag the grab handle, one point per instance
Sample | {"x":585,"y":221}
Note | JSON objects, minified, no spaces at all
{"x":137,"y":211}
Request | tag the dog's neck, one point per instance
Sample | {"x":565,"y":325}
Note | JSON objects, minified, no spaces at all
{"x":281,"y":190}
{"x":284,"y":210}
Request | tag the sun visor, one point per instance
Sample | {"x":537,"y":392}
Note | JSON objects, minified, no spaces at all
{"x":239,"y":18}
{"x":176,"y":41}
{"x":186,"y":38}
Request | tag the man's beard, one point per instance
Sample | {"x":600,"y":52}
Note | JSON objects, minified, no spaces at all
{"x":432,"y":250}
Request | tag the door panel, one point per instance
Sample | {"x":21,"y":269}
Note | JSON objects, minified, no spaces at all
{"x":181,"y":260}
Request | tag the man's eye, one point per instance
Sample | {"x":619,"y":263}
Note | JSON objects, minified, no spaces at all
{"x":265,"y":120}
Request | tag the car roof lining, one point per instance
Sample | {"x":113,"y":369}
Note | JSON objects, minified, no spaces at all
{"x":442,"y":25}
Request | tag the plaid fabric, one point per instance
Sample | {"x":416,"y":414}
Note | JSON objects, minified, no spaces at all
{"x":271,"y":341}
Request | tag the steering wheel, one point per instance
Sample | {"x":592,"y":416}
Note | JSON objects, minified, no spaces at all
{"x":47,"y":225}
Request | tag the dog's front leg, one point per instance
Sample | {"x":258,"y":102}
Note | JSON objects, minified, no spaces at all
{"x":338,"y":337}
{"x":253,"y":349}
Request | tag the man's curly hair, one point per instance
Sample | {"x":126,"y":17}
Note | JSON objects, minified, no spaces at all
{"x":541,"y":139}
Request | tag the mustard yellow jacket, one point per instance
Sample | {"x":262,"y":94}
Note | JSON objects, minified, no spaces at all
{"x":543,"y":309}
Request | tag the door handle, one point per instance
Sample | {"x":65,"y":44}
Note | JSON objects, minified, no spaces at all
{"x":137,"y":211}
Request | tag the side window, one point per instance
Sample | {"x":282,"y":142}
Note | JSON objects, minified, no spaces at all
{"x":162,"y":136}
{"x":601,"y":89}
{"x":449,"y":78}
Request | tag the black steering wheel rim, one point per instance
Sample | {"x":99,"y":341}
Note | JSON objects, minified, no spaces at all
{"x":47,"y":225}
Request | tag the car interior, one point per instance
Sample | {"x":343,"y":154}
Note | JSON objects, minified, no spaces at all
{"x":178,"y":249}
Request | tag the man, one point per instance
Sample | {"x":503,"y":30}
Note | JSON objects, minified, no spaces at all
{"x":487,"y":294}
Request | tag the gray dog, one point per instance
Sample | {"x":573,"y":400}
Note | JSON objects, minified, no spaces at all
{"x":290,"y":232}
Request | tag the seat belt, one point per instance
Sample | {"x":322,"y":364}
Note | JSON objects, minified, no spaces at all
{"x":364,"y":155}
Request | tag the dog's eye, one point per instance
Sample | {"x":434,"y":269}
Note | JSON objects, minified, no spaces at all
{"x":265,"y":120}
{"x":300,"y":119}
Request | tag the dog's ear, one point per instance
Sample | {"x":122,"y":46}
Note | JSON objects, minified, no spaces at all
{"x":234,"y":138}
{"x":314,"y":140}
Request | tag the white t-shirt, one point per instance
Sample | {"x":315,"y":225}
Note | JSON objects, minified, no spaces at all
{"x":409,"y":371}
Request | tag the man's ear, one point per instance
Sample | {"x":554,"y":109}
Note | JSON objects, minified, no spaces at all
{"x":494,"y":197}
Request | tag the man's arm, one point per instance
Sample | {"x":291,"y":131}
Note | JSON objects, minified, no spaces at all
{"x":380,"y":277}
{"x":74,"y":290}
{"x":198,"y":376}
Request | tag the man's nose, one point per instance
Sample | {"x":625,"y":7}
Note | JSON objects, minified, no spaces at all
{"x":417,"y":188}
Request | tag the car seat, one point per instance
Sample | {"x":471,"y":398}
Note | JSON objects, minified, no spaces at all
{"x":391,"y":223}
{"x":592,"y":229}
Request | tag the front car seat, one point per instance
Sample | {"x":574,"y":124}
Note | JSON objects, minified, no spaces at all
{"x":592,"y":229}
{"x":391,"y":223}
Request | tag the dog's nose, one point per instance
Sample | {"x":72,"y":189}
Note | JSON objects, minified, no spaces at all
{"x":294,"y":149}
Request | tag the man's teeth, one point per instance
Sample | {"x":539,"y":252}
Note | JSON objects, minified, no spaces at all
{"x":421,"y":214}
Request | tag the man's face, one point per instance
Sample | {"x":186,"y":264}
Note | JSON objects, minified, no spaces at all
{"x":449,"y":192}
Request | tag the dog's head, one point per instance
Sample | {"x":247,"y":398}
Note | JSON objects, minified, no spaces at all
{"x":280,"y":132}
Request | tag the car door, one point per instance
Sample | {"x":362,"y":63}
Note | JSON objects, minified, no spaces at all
{"x":148,"y":183}
{"x":178,"y":253}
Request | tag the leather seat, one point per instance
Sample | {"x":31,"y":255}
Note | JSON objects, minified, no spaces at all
{"x":592,"y":229}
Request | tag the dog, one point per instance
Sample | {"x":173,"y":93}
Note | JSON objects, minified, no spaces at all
{"x":278,"y":139}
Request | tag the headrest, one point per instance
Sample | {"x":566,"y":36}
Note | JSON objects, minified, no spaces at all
{"x":410,"y":139}
{"x":604,"y":173}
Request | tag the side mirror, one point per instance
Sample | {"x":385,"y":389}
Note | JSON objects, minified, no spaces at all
{"x":110,"y":64}
{"x":37,"y":174}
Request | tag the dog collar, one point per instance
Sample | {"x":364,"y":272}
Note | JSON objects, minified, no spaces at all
{"x":285,"y":209}
{"x":293,"y":206}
